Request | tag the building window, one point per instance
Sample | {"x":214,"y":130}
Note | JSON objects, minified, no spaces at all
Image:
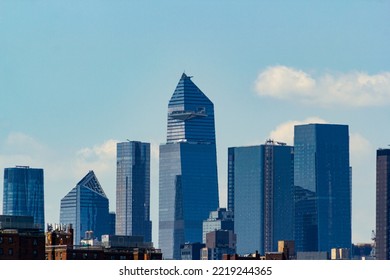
{"x":10,"y":251}
{"x":10,"y":240}
{"x":35,"y":242}
{"x":1,"y":251}
{"x":1,"y":240}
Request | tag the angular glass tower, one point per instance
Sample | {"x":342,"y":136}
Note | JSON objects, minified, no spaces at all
{"x":382,"y":248}
{"x":260,"y":190}
{"x":133,"y":190}
{"x":23,"y":193}
{"x":322,"y":187}
{"x":188,"y":181}
{"x":86,"y":208}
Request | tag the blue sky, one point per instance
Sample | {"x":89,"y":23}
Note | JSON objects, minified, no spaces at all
{"x":76,"y":77}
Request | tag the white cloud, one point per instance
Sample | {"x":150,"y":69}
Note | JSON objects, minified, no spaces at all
{"x":355,"y":89}
{"x":281,"y":81}
{"x":360,"y":149}
{"x":106,"y":150}
{"x":21,"y":149}
{"x":99,"y":158}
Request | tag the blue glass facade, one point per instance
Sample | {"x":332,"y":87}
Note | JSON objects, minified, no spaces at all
{"x":86,"y":208}
{"x":261,"y":183}
{"x":188,"y":169}
{"x":322,"y":187}
{"x":133,"y":190}
{"x":190,"y":114}
{"x":23,"y":193}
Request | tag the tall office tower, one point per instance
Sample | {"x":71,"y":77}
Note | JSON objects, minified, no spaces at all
{"x":382,"y":248}
{"x":263,"y":195}
{"x":133,"y":190}
{"x":86,"y":208}
{"x":322,"y":187}
{"x":23,"y":193}
{"x":188,"y":169}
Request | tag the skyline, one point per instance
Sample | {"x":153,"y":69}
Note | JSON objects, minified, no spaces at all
{"x":75,"y":77}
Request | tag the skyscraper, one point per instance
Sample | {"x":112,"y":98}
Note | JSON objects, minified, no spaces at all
{"x":23,"y":193}
{"x":263,"y":196}
{"x":188,"y":181}
{"x":382,"y":249}
{"x":133,"y":190}
{"x":86,"y":208}
{"x":322,"y":187}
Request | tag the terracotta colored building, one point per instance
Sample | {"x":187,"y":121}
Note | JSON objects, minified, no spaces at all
{"x":20,"y":240}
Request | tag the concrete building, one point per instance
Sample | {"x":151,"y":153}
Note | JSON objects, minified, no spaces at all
{"x":60,"y":247}
{"x":340,"y":254}
{"x":312,"y":255}
{"x":191,"y":251}
{"x":219,"y":243}
{"x":287,"y":247}
{"x":20,"y":239}
{"x":219,"y":219}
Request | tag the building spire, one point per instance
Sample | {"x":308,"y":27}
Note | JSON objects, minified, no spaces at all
{"x":184,"y":76}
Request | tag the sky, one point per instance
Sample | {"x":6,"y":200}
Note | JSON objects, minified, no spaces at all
{"x":76,"y":77}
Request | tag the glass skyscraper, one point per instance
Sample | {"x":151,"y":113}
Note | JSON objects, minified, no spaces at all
{"x":188,"y":183}
{"x":86,"y":208}
{"x":260,"y":190}
{"x":133,"y":190}
{"x":322,"y":187}
{"x":23,"y":193}
{"x":382,"y":248}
